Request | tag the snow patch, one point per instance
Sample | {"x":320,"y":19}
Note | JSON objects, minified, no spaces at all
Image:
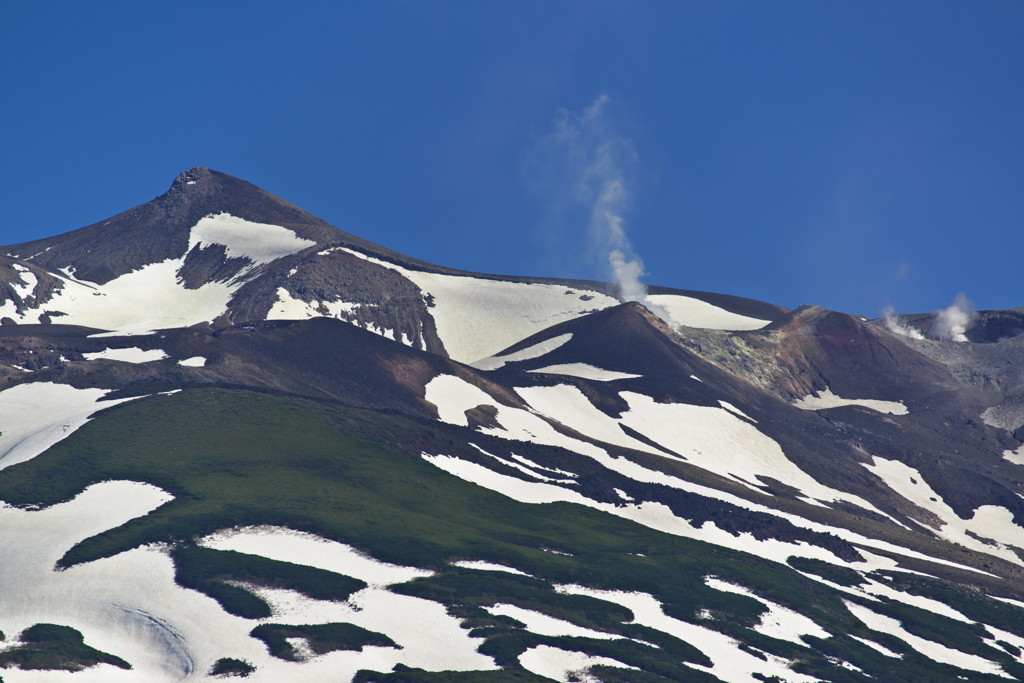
{"x":928,"y":648}
{"x":285,"y":545}
{"x":729,"y":662}
{"x":564,"y":665}
{"x":129,"y":355}
{"x":193,"y":362}
{"x":536,"y":351}
{"x":426,"y":635}
{"x":585,"y":371}
{"x":989,"y":521}
{"x":691,"y":312}
{"x":875,"y":646}
{"x":544,"y":625}
{"x":779,"y":622}
{"x":736,"y":411}
{"x":477,"y":318}
{"x":485,"y":566}
{"x":33,"y":417}
{"x":259,"y":242}
{"x":826,"y":399}
{"x":1016,"y":457}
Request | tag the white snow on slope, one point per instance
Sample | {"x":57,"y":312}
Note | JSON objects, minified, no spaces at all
{"x":535,"y":351}
{"x":928,"y":648}
{"x":121,"y":333}
{"x":288,"y":307}
{"x":28,"y":282}
{"x":528,"y":468}
{"x":111,"y":601}
{"x":692,"y":312}
{"x":565,"y":666}
{"x":129,"y":355}
{"x":454,"y":396}
{"x":193,"y":362}
{"x":427,"y":636}
{"x":1016,"y":457}
{"x":259,"y":242}
{"x":148,"y":298}
{"x":585,"y":371}
{"x":485,"y":566}
{"x":736,"y":411}
{"x":477,"y":318}
{"x":35,"y":416}
{"x":779,"y":622}
{"x":130,"y":606}
{"x":153,"y":297}
{"x":285,"y":545}
{"x":879,"y":648}
{"x":729,"y":662}
{"x":989,"y":521}
{"x":544,"y":625}
{"x":650,"y":514}
{"x":826,"y":399}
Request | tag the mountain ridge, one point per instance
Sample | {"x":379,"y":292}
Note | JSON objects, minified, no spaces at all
{"x":259,"y":446}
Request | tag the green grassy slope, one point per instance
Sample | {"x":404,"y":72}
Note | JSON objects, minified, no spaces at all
{"x":238,"y":458}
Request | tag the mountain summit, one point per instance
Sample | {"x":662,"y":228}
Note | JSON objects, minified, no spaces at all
{"x":236,"y":441}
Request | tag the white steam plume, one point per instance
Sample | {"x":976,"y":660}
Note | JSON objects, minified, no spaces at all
{"x":893,"y":324}
{"x":596,"y":163}
{"x":952,"y":322}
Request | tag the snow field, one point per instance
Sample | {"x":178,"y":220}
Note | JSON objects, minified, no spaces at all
{"x":729,"y":662}
{"x":878,"y":648}
{"x":427,"y":636}
{"x":28,"y":281}
{"x":127,"y":605}
{"x":544,"y":625}
{"x":524,"y":469}
{"x":1016,"y":457}
{"x":130,"y":606}
{"x":288,"y":307}
{"x":259,"y":242}
{"x":478,"y":318}
{"x":928,"y":648}
{"x":152,"y":297}
{"x":564,"y":665}
{"x":736,"y":411}
{"x":453,"y":396}
{"x":826,"y":399}
{"x":585,"y":371}
{"x":485,"y":566}
{"x":285,"y":545}
{"x":712,"y":438}
{"x":780,"y":622}
{"x":536,"y":351}
{"x":989,"y":521}
{"x":144,"y":299}
{"x":193,"y":362}
{"x":35,"y":416}
{"x":692,"y":312}
{"x":128,"y":355}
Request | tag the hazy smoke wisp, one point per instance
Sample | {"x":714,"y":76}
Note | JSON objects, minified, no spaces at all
{"x":952,"y":322}
{"x":893,"y":324}
{"x":596,"y":163}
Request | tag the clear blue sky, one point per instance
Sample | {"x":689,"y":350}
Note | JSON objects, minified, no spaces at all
{"x":848,"y":154}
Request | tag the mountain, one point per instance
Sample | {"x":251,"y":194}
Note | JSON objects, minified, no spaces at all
{"x":236,"y":441}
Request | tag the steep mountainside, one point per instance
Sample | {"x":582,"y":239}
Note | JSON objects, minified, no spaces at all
{"x":238,"y":442}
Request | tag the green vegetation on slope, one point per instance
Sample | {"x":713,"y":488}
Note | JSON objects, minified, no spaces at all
{"x":234,"y":458}
{"x":53,"y":647}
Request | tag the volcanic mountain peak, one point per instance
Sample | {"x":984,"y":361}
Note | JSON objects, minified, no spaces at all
{"x":524,"y":459}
